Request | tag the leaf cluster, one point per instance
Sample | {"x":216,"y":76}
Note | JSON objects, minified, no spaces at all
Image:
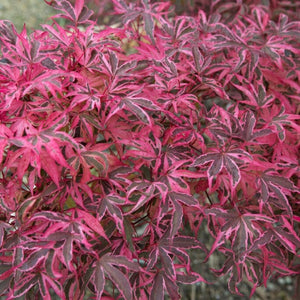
{"x":119,"y":145}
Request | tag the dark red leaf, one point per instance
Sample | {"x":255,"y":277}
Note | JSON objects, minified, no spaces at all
{"x":68,"y":250}
{"x":119,"y":279}
{"x":157,"y":292}
{"x":172,"y":288}
{"x":26,"y":285}
{"x":167,"y":263}
{"x":149,"y":26}
{"x":177,"y":218}
{"x":99,"y":280}
{"x":183,"y":198}
{"x":33,"y":259}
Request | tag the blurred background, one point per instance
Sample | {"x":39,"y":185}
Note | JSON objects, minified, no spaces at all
{"x":31,"y":12}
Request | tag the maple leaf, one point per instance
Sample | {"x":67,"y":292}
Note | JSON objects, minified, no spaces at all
{"x":228,"y":159}
{"x":136,"y":106}
{"x":78,"y":14}
{"x":240,"y":227}
{"x":276,"y":186}
{"x":110,"y":204}
{"x":256,"y":94}
{"x":165,"y":277}
{"x":148,"y":11}
{"x":107,"y":264}
{"x":227,"y":126}
{"x":281,"y":121}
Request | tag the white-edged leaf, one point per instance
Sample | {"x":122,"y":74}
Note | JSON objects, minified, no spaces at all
{"x":157,"y":292}
{"x":233,"y":170}
{"x":33,"y":260}
{"x":99,"y":280}
{"x":119,"y":279}
{"x":138,"y":111}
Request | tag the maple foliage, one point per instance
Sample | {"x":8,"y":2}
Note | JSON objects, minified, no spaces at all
{"x":119,"y":144}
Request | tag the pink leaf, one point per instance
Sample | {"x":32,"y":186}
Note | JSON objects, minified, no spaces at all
{"x":92,"y":222}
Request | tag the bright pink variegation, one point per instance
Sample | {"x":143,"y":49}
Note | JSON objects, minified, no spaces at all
{"x":121,"y":145}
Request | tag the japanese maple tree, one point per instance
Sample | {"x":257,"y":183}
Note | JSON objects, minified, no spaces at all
{"x":120,"y":144}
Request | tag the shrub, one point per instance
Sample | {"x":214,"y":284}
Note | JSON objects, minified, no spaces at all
{"x":121,"y":146}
